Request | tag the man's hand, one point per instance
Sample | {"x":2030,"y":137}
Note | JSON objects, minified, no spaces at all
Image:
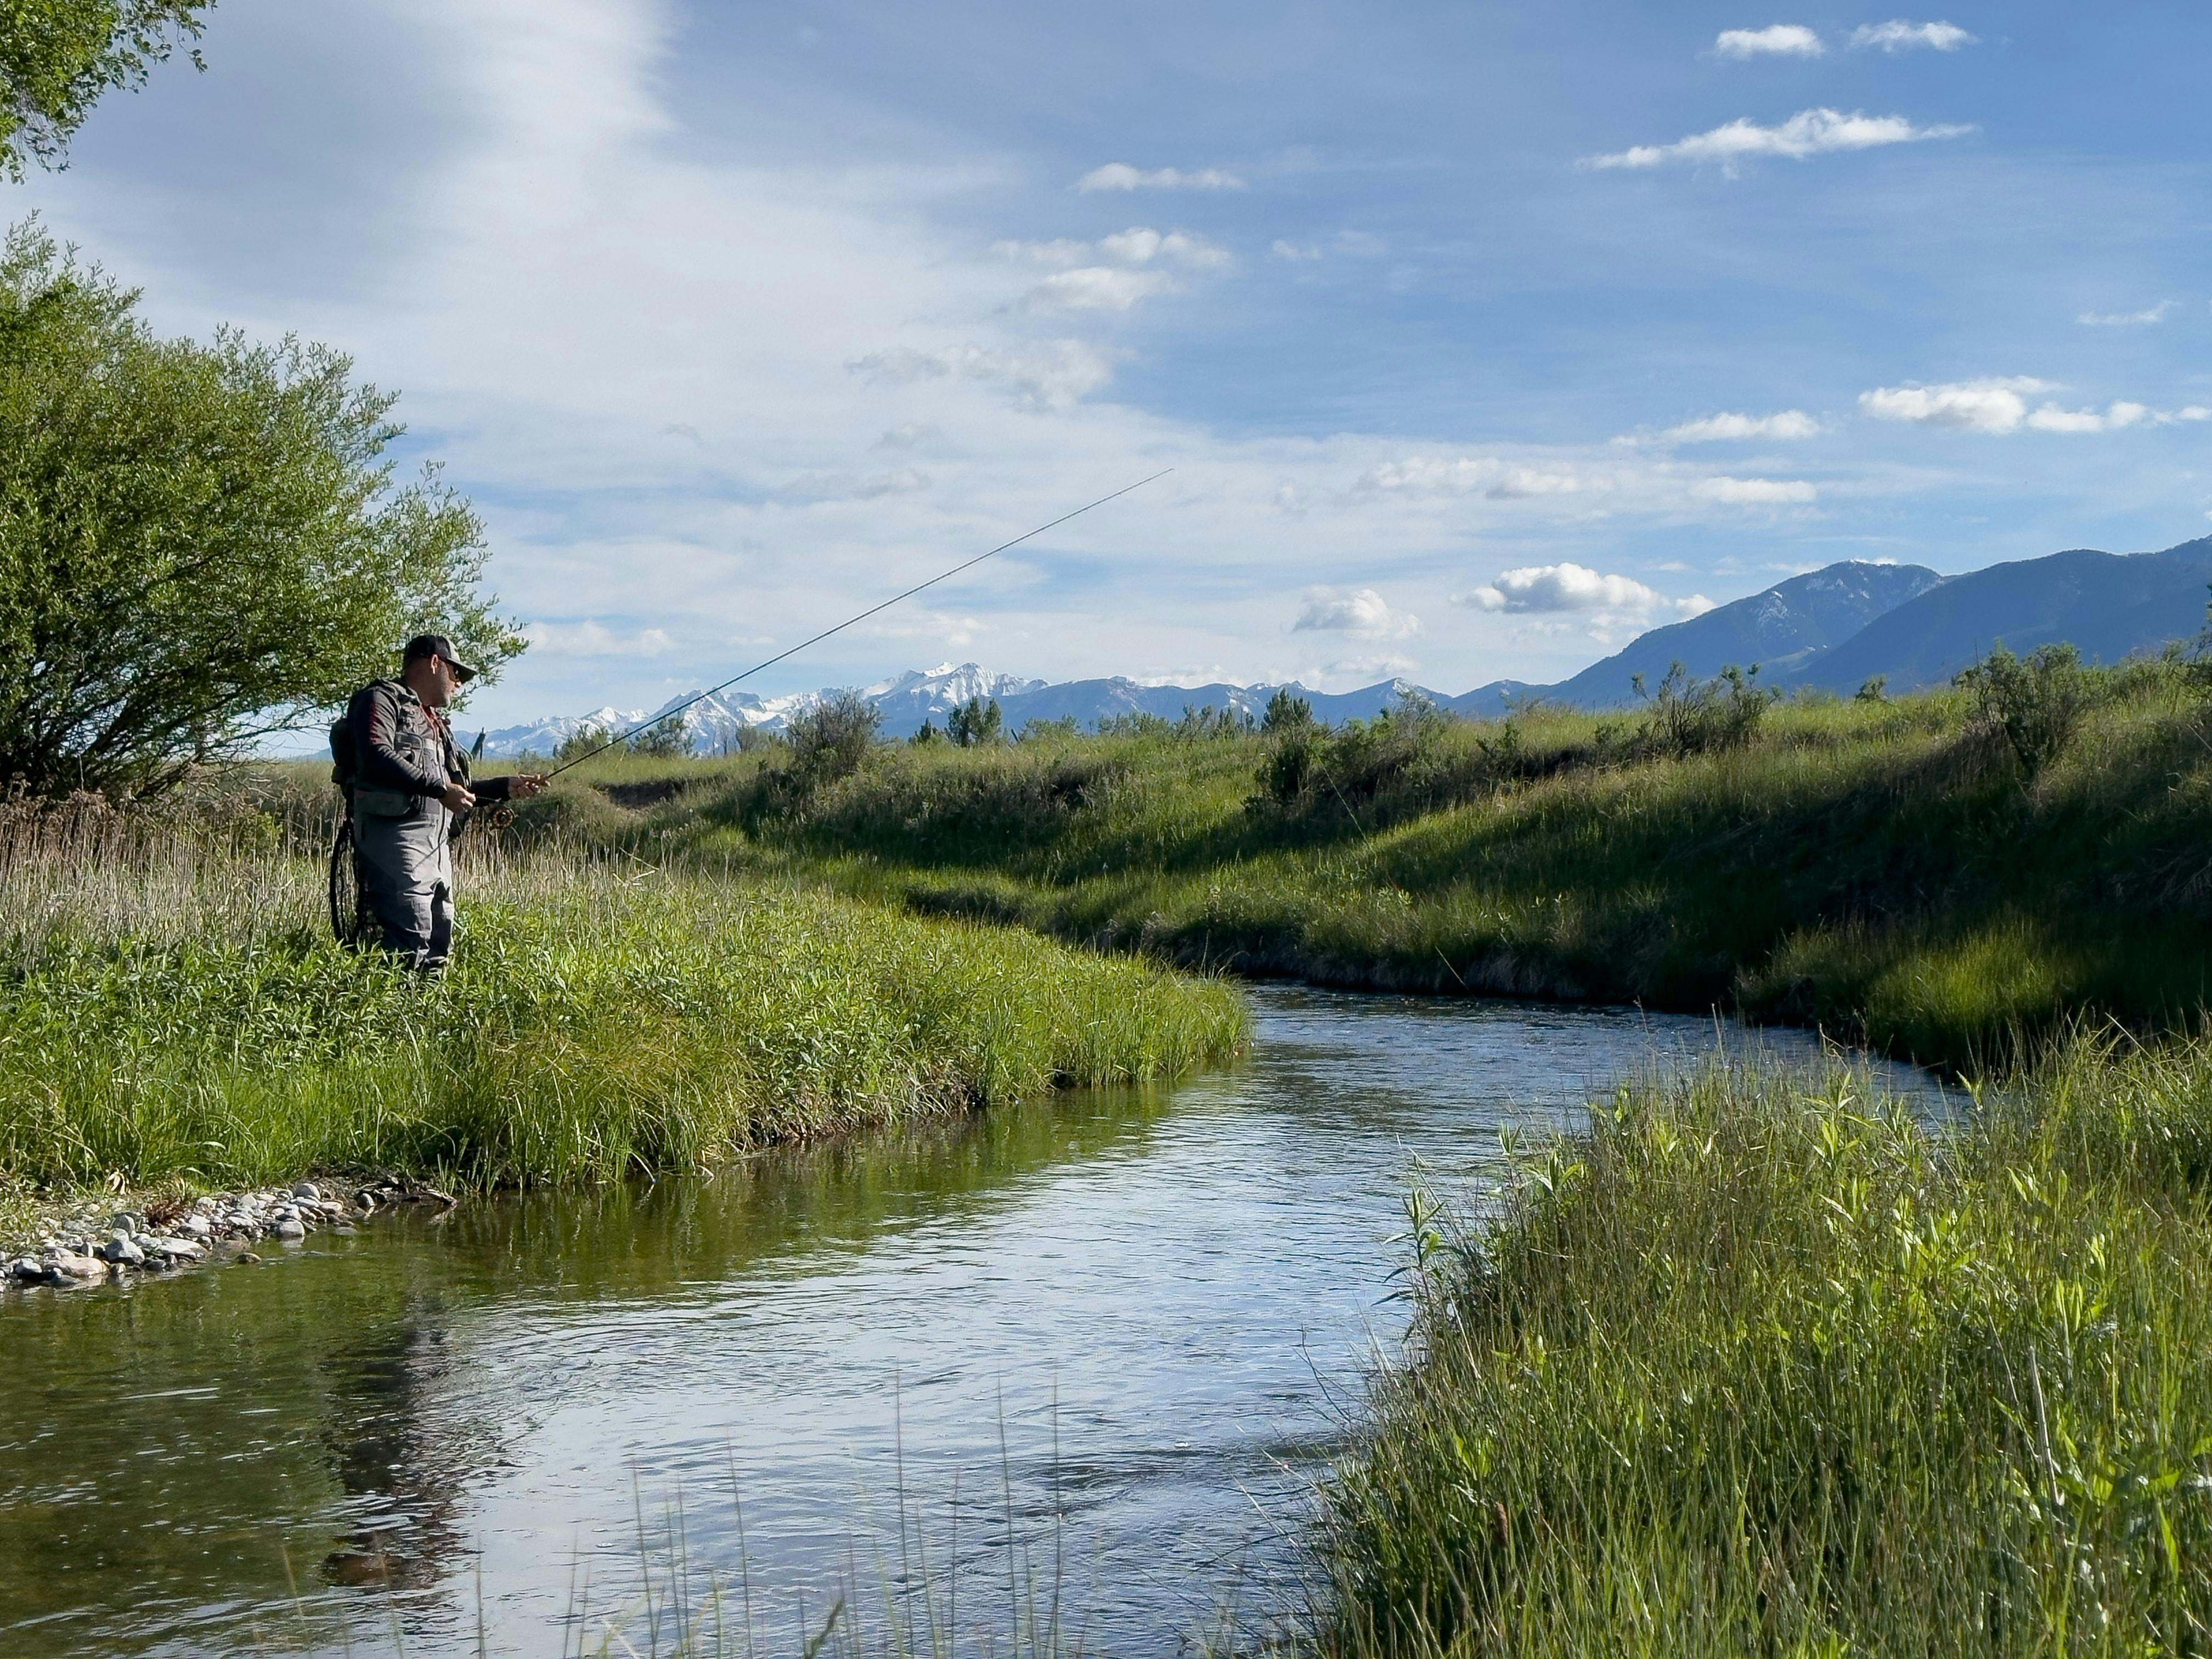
{"x":524,"y":785}
{"x":457,"y":798}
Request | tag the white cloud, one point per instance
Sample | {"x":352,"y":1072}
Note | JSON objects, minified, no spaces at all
{"x":1900,"y":36}
{"x":1297,"y":251}
{"x":1776,"y":40}
{"x":1556,"y":588}
{"x":853,"y":487}
{"x":1096,"y":288}
{"x":1808,"y":132}
{"x":591,"y":638}
{"x":1995,"y":405}
{"x":1998,"y":407}
{"x":1119,"y":175}
{"x":1140,"y":245}
{"x":1042,"y":374}
{"x":1755,"y":492}
{"x":1499,"y":481}
{"x":2157,"y":314}
{"x":1730,"y":427}
{"x":1361,"y":611}
{"x":910,"y":435}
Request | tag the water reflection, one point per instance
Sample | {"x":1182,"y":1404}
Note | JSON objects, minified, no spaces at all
{"x":1115,"y":1331}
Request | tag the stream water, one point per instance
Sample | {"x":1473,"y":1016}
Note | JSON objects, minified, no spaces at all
{"x":1087,"y":1356}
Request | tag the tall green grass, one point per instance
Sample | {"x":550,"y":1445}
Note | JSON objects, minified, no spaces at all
{"x":170,"y":1004}
{"x":1761,"y":1364}
{"x":1886,"y":869}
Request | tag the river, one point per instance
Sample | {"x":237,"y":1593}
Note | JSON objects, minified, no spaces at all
{"x":1076,"y":1363}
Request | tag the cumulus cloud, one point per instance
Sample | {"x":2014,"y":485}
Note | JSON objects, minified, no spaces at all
{"x":1998,"y":407}
{"x":1776,"y":40}
{"x":1360,"y":611}
{"x":1538,"y":589}
{"x":2157,"y":314}
{"x":1731,"y":427}
{"x":592,"y":638}
{"x":1755,"y":492}
{"x":1900,"y":36}
{"x":1808,"y":132}
{"x":1044,"y":375}
{"x":1119,"y":175}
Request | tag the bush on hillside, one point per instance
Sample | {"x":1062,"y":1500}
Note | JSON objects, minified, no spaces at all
{"x":1704,"y":717}
{"x":2037,"y":701}
{"x":834,"y":739}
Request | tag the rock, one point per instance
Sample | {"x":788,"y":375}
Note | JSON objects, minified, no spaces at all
{"x":247,"y":1256}
{"x":27,"y":1270}
{"x":63,"y":1267}
{"x":290,"y":1229}
{"x":176,"y":1250}
{"x":196,"y":1226}
{"x":308,"y":1190}
{"x":124,"y":1221}
{"x":121,"y":1251}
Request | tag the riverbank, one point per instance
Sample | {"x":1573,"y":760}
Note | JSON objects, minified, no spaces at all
{"x":1747,"y":1370}
{"x":1890,"y":870}
{"x":171,"y":1010}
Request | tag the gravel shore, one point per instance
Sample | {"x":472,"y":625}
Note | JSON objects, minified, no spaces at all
{"x":75,"y":1245}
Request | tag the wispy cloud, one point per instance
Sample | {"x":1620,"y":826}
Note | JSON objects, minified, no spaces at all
{"x":1728,"y":427}
{"x":1538,"y":589}
{"x":1044,"y":375}
{"x":1499,"y":481}
{"x":1808,"y":132}
{"x":1119,"y":175}
{"x":1898,"y":35}
{"x":853,"y":487}
{"x":1755,"y":492}
{"x":1776,"y":40}
{"x":1114,"y":272}
{"x":1361,"y":611}
{"x":2157,"y":314}
{"x":1999,"y":406}
{"x":1096,"y":288}
{"x":592,"y":638}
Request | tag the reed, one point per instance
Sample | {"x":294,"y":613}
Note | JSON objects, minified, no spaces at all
{"x":1762,"y":1364}
{"x":171,"y":1007}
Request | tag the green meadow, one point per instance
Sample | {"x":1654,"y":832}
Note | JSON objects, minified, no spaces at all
{"x":1890,"y":869}
{"x":171,"y":1006}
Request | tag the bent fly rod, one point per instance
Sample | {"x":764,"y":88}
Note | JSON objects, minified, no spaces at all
{"x":947,"y":575}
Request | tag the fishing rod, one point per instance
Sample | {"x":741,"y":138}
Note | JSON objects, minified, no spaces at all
{"x":624,"y":737}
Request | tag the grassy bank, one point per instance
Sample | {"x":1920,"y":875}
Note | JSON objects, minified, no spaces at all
{"x":1888,"y":869}
{"x":171,"y":1007}
{"x":1760,"y":1365}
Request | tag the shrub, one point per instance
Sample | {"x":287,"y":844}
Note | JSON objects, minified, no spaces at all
{"x":1704,"y":717}
{"x":2037,"y":701}
{"x":833,"y":739}
{"x":663,"y":738}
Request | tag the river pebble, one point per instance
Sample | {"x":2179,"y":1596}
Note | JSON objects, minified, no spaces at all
{"x":80,"y":1247}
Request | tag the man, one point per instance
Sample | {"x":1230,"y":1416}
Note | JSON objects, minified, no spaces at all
{"x":410,"y":796}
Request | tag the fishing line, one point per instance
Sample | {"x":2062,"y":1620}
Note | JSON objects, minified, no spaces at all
{"x":624,"y":737}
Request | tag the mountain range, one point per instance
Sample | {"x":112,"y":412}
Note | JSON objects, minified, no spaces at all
{"x":1831,"y":629}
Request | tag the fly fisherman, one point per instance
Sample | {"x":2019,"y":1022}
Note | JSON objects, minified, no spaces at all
{"x":410,"y":796}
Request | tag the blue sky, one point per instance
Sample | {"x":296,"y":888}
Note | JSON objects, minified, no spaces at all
{"x":1480,"y":336}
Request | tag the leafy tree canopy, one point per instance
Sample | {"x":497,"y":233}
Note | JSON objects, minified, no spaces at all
{"x":58,"y":56}
{"x":199,"y":545}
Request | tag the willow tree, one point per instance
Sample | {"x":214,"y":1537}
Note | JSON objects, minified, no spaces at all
{"x":200,"y":544}
{"x":58,"y":56}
